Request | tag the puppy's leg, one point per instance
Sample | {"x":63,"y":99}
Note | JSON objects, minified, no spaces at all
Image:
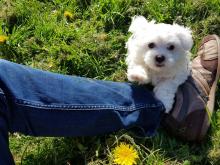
{"x":165,"y":91}
{"x":138,"y":74}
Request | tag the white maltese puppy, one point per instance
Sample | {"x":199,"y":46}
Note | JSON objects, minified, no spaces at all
{"x":158,"y":54}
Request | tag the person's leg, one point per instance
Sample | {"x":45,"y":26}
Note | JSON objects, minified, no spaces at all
{"x":5,"y":155}
{"x":42,"y":103}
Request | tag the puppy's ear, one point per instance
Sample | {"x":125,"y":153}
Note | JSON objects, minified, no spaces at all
{"x":185,"y":36}
{"x":138,"y":23}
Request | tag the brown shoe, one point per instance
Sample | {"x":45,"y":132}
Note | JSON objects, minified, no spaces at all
{"x":195,"y":99}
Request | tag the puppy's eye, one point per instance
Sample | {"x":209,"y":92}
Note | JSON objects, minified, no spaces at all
{"x":151,"y":45}
{"x":171,"y":47}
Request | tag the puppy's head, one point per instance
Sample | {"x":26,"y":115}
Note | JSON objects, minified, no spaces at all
{"x":158,"y":46}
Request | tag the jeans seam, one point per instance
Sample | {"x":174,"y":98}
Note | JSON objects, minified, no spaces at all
{"x":87,"y":107}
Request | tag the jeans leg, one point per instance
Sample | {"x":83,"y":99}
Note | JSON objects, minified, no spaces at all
{"x":48,"y":104}
{"x":42,"y":103}
{"x":5,"y":154}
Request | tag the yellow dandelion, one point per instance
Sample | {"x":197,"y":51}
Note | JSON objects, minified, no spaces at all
{"x":68,"y":15}
{"x":3,"y":39}
{"x":125,"y":154}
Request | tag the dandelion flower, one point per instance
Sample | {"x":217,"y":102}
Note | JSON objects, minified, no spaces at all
{"x":125,"y":154}
{"x":68,"y":15}
{"x":3,"y":39}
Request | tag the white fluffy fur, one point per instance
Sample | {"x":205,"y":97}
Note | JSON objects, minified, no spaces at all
{"x":142,"y":66}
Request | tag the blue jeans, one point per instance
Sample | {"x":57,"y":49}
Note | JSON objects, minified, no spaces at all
{"x":41,"y":103}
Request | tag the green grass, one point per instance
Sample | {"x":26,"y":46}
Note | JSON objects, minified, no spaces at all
{"x":92,"y":44}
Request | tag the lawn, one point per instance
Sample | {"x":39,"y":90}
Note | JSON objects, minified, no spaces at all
{"x":87,"y":38}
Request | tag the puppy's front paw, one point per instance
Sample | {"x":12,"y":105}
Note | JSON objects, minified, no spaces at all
{"x":140,"y":78}
{"x":168,"y":108}
{"x":167,"y":104}
{"x":138,"y":75}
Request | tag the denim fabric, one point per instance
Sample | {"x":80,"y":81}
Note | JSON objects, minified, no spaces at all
{"x":41,"y":103}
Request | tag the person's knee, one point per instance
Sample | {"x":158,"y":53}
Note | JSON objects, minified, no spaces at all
{"x":4,"y":63}
{"x":6,"y":69}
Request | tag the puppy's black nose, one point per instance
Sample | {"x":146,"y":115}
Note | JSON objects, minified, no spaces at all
{"x":160,"y":58}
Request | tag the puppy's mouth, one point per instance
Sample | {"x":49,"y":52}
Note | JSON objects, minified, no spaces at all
{"x":160,"y":65}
